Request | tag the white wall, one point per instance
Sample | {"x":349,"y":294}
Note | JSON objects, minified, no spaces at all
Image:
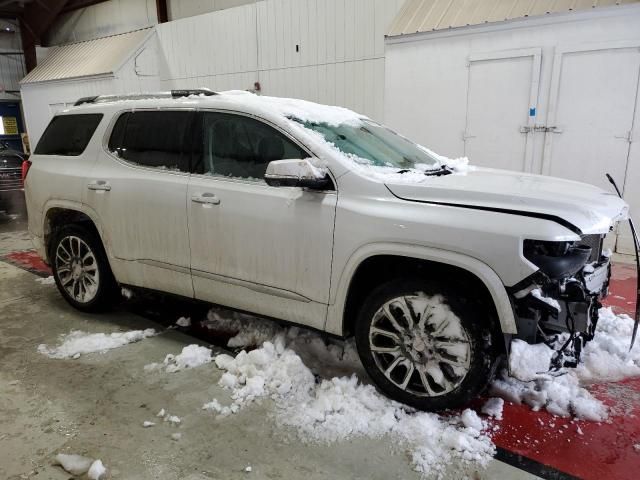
{"x":340,"y":57}
{"x":40,"y":101}
{"x":427,"y":76}
{"x":101,"y":20}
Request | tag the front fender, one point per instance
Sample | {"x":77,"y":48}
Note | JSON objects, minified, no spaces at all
{"x":335,"y":315}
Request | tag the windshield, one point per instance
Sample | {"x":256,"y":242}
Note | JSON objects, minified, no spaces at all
{"x":372,"y":144}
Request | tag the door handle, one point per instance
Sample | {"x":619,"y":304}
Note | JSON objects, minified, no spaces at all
{"x":206,"y":199}
{"x":100,"y":186}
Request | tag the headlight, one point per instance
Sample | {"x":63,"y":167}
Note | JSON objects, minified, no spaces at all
{"x":557,"y":259}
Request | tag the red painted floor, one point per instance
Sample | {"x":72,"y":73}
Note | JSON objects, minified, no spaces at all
{"x":587,"y":450}
{"x":603,"y":451}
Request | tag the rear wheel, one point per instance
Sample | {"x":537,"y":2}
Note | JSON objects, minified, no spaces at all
{"x":81,"y":269}
{"x":423,"y":345}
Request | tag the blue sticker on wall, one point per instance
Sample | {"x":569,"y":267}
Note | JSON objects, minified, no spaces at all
{"x":532,"y":112}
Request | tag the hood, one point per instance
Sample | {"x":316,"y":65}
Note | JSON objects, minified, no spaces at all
{"x":580,"y":207}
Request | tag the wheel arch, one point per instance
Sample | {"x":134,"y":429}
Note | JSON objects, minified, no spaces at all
{"x":60,"y":213}
{"x":361,"y":265}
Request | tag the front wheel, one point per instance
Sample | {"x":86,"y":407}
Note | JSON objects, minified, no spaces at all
{"x":81,"y":269}
{"x":424,"y":346}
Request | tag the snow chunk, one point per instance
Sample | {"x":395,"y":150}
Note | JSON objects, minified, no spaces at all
{"x":537,"y":293}
{"x":248,"y":469}
{"x":183,"y":322}
{"x":176,"y":436}
{"x":172,"y":419}
{"x":147,"y":424}
{"x":493,"y":407}
{"x":78,"y":342}
{"x":527,"y":362}
{"x":97,"y":471}
{"x":161,"y":413}
{"x":192,"y":356}
{"x":126,"y":293}
{"x":248,"y":330}
{"x":470,"y":419}
{"x":72,"y":463}
{"x":46,"y":281}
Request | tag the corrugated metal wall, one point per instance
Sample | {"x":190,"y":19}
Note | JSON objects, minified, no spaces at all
{"x":11,"y":71}
{"x":330,"y":51}
{"x":182,"y":9}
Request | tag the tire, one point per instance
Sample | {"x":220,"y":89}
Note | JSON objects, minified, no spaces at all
{"x":454,"y":371}
{"x":83,"y":268}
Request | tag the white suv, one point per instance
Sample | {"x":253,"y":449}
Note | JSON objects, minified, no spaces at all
{"x":318,"y":216}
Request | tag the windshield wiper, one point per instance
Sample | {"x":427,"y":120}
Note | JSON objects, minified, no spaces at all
{"x":436,"y":172}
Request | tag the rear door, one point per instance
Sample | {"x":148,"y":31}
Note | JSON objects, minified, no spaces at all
{"x":138,"y":189}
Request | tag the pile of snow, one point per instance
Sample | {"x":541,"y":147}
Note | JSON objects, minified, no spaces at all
{"x":184,"y":322}
{"x":319,"y":407}
{"x":606,"y":358}
{"x":126,"y":293}
{"x":527,"y":362}
{"x":79,"y":465}
{"x":46,"y":281}
{"x":77,"y":342}
{"x":191,"y":356}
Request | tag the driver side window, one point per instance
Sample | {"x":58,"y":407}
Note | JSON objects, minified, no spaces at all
{"x":236,"y":146}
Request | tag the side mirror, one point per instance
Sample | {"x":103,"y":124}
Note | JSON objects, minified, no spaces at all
{"x":296,"y":173}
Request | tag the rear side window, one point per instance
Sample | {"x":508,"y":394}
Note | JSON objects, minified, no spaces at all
{"x":153,"y":139}
{"x":68,"y":135}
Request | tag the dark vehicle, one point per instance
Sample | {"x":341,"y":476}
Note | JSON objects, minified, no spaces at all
{"x":11,"y":188}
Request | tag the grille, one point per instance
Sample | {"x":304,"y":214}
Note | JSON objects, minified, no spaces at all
{"x":595,"y":242}
{"x":10,"y":179}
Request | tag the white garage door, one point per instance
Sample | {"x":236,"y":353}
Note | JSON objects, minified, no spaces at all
{"x":593,"y":104}
{"x":501,"y":103}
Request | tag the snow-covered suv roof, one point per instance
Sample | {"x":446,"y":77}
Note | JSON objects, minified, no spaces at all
{"x":238,"y":100}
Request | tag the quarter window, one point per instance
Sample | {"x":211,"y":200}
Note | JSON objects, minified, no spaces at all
{"x":241,"y":147}
{"x":153,"y":139}
{"x":68,"y":135}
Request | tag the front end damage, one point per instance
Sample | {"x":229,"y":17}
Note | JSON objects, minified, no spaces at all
{"x":559,"y":304}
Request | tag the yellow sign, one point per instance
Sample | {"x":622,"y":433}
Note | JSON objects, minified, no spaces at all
{"x":10,"y":125}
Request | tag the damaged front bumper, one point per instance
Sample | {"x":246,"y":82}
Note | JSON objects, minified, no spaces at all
{"x":559,"y":304}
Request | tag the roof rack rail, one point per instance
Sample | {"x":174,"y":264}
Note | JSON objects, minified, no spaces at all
{"x":145,"y":96}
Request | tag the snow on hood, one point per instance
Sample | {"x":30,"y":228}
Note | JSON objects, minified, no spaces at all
{"x":589,"y":208}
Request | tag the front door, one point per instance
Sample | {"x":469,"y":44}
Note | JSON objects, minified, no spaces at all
{"x":138,"y":189}
{"x":255,"y":247}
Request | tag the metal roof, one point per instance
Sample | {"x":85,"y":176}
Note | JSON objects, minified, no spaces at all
{"x":431,"y":15}
{"x":101,"y":56}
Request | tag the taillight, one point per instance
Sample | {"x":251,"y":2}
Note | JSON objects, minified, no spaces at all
{"x":26,"y":164}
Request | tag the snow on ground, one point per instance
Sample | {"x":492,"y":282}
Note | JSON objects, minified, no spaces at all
{"x":319,"y":399}
{"x":72,"y":463}
{"x":606,"y":358}
{"x":77,"y":342}
{"x":46,"y":281}
{"x":191,"y":356}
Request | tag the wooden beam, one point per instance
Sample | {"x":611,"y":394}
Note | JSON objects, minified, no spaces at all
{"x":78,"y":4}
{"x":161,"y":9}
{"x":36,"y":18}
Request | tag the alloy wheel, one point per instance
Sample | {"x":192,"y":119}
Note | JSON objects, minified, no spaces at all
{"x":77,"y":269}
{"x":420,"y":345}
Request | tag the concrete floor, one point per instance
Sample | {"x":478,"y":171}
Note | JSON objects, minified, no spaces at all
{"x":96,"y":405}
